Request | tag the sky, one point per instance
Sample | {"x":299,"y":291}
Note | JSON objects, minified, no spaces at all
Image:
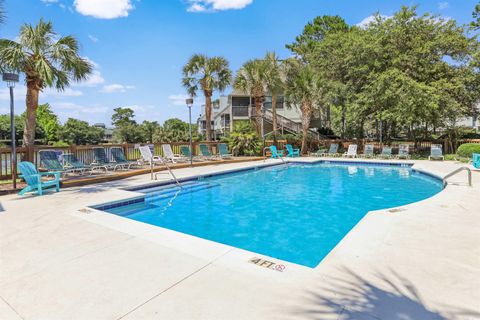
{"x":138,"y":47}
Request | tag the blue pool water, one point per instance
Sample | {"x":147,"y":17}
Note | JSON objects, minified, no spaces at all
{"x":297,"y":214}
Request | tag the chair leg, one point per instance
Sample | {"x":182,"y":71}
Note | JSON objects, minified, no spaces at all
{"x":40,"y":190}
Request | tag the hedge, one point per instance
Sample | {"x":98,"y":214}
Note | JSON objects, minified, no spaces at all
{"x":466,"y":149}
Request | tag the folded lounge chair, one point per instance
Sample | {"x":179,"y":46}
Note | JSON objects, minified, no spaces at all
{"x":71,"y":161}
{"x":148,"y":157}
{"x":50,"y":162}
{"x":403,"y":151}
{"x":318,"y":153}
{"x":386,"y":153}
{"x":368,"y":151}
{"x":120,"y":159}
{"x":34,"y":181}
{"x":169,"y":155}
{"x":351,"y":152}
{"x":436,"y":152}
{"x":223,"y":151}
{"x":291,"y":152}
{"x":205,"y":153}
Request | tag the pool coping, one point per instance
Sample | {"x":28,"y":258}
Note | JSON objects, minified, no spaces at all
{"x":140,"y":228}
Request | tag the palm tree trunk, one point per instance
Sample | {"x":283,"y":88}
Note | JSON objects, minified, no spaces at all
{"x":274,"y":120}
{"x":306,"y":109}
{"x":208,"y":114}
{"x":258,"y":115}
{"x":31,"y":118}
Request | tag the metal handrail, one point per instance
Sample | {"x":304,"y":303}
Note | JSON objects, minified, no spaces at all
{"x":168,"y":168}
{"x":454,"y":172}
{"x":265,"y":156}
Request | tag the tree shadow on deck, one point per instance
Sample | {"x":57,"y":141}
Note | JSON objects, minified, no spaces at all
{"x":392,"y":297}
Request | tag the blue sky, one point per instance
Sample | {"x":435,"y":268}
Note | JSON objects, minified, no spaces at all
{"x":139,"y":46}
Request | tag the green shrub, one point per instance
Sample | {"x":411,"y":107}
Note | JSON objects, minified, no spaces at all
{"x":60,"y":144}
{"x":466,"y":149}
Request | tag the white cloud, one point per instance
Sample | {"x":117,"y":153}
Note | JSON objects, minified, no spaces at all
{"x":95,"y":78}
{"x":104,"y":9}
{"x":365,"y":22}
{"x":443,"y":5}
{"x":93,"y":38}
{"x":49,"y":2}
{"x":216,"y":5}
{"x":178,"y":99}
{"x":77,"y":109}
{"x":20,"y":92}
{"x":114,"y":88}
{"x":68,"y":92}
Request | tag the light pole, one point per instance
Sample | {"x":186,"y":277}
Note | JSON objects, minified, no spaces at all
{"x":189,"y":103}
{"x":11,"y":79}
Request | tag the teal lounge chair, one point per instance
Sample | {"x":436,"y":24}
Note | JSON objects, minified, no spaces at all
{"x":476,"y":160}
{"x":318,"y":153}
{"x":33,"y":178}
{"x":184,"y":150}
{"x":100,"y":159}
{"x":120,"y":159}
{"x":71,"y":161}
{"x":276,"y":154}
{"x":223,"y":151}
{"x":436,"y":152}
{"x":386,"y":153}
{"x":291,"y":152}
{"x":205,"y":153}
{"x":50,"y":162}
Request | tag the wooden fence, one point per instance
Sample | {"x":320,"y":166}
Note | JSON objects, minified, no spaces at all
{"x":85,"y":153}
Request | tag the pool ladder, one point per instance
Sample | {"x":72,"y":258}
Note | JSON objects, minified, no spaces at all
{"x":154,"y":176}
{"x":265,"y":157}
{"x":454,"y":172}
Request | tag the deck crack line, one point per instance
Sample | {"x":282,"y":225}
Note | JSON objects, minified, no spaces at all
{"x":8,"y":304}
{"x":175,"y":284}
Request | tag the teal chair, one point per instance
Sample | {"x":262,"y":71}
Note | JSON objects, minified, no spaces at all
{"x":185,"y":151}
{"x":120,"y":159}
{"x":33,"y":178}
{"x":291,"y":152}
{"x":205,"y":153}
{"x":476,"y":160}
{"x":223,"y":151}
{"x":276,"y":154}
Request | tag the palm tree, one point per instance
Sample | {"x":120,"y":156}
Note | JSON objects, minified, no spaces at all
{"x":252,"y":79}
{"x":304,"y":90}
{"x":274,"y":84}
{"x":48,"y":61}
{"x":207,"y":74}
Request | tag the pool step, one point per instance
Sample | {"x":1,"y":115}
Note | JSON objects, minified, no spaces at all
{"x":164,"y":187}
{"x":176,"y":191}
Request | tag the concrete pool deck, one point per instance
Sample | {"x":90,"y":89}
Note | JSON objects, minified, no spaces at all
{"x":59,"y":260}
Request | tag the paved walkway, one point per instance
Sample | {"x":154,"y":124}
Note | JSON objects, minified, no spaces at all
{"x":58,"y":261}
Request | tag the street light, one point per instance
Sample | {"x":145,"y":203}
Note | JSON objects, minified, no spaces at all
{"x":11,"y":79}
{"x":189,"y":103}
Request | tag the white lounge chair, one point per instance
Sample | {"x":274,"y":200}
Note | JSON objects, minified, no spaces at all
{"x":403,"y":151}
{"x":148,"y":157}
{"x":169,"y":155}
{"x":436,"y":152}
{"x":351,"y":152}
{"x":368,"y":151}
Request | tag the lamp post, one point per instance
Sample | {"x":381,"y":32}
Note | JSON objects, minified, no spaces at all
{"x":11,"y":79}
{"x":189,"y":103}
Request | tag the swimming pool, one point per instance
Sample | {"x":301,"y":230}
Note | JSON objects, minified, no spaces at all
{"x":296,"y":213}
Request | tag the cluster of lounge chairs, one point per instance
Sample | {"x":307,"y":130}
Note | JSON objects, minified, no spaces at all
{"x":57,"y":164}
{"x":386,"y":153}
{"x":291,"y":152}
